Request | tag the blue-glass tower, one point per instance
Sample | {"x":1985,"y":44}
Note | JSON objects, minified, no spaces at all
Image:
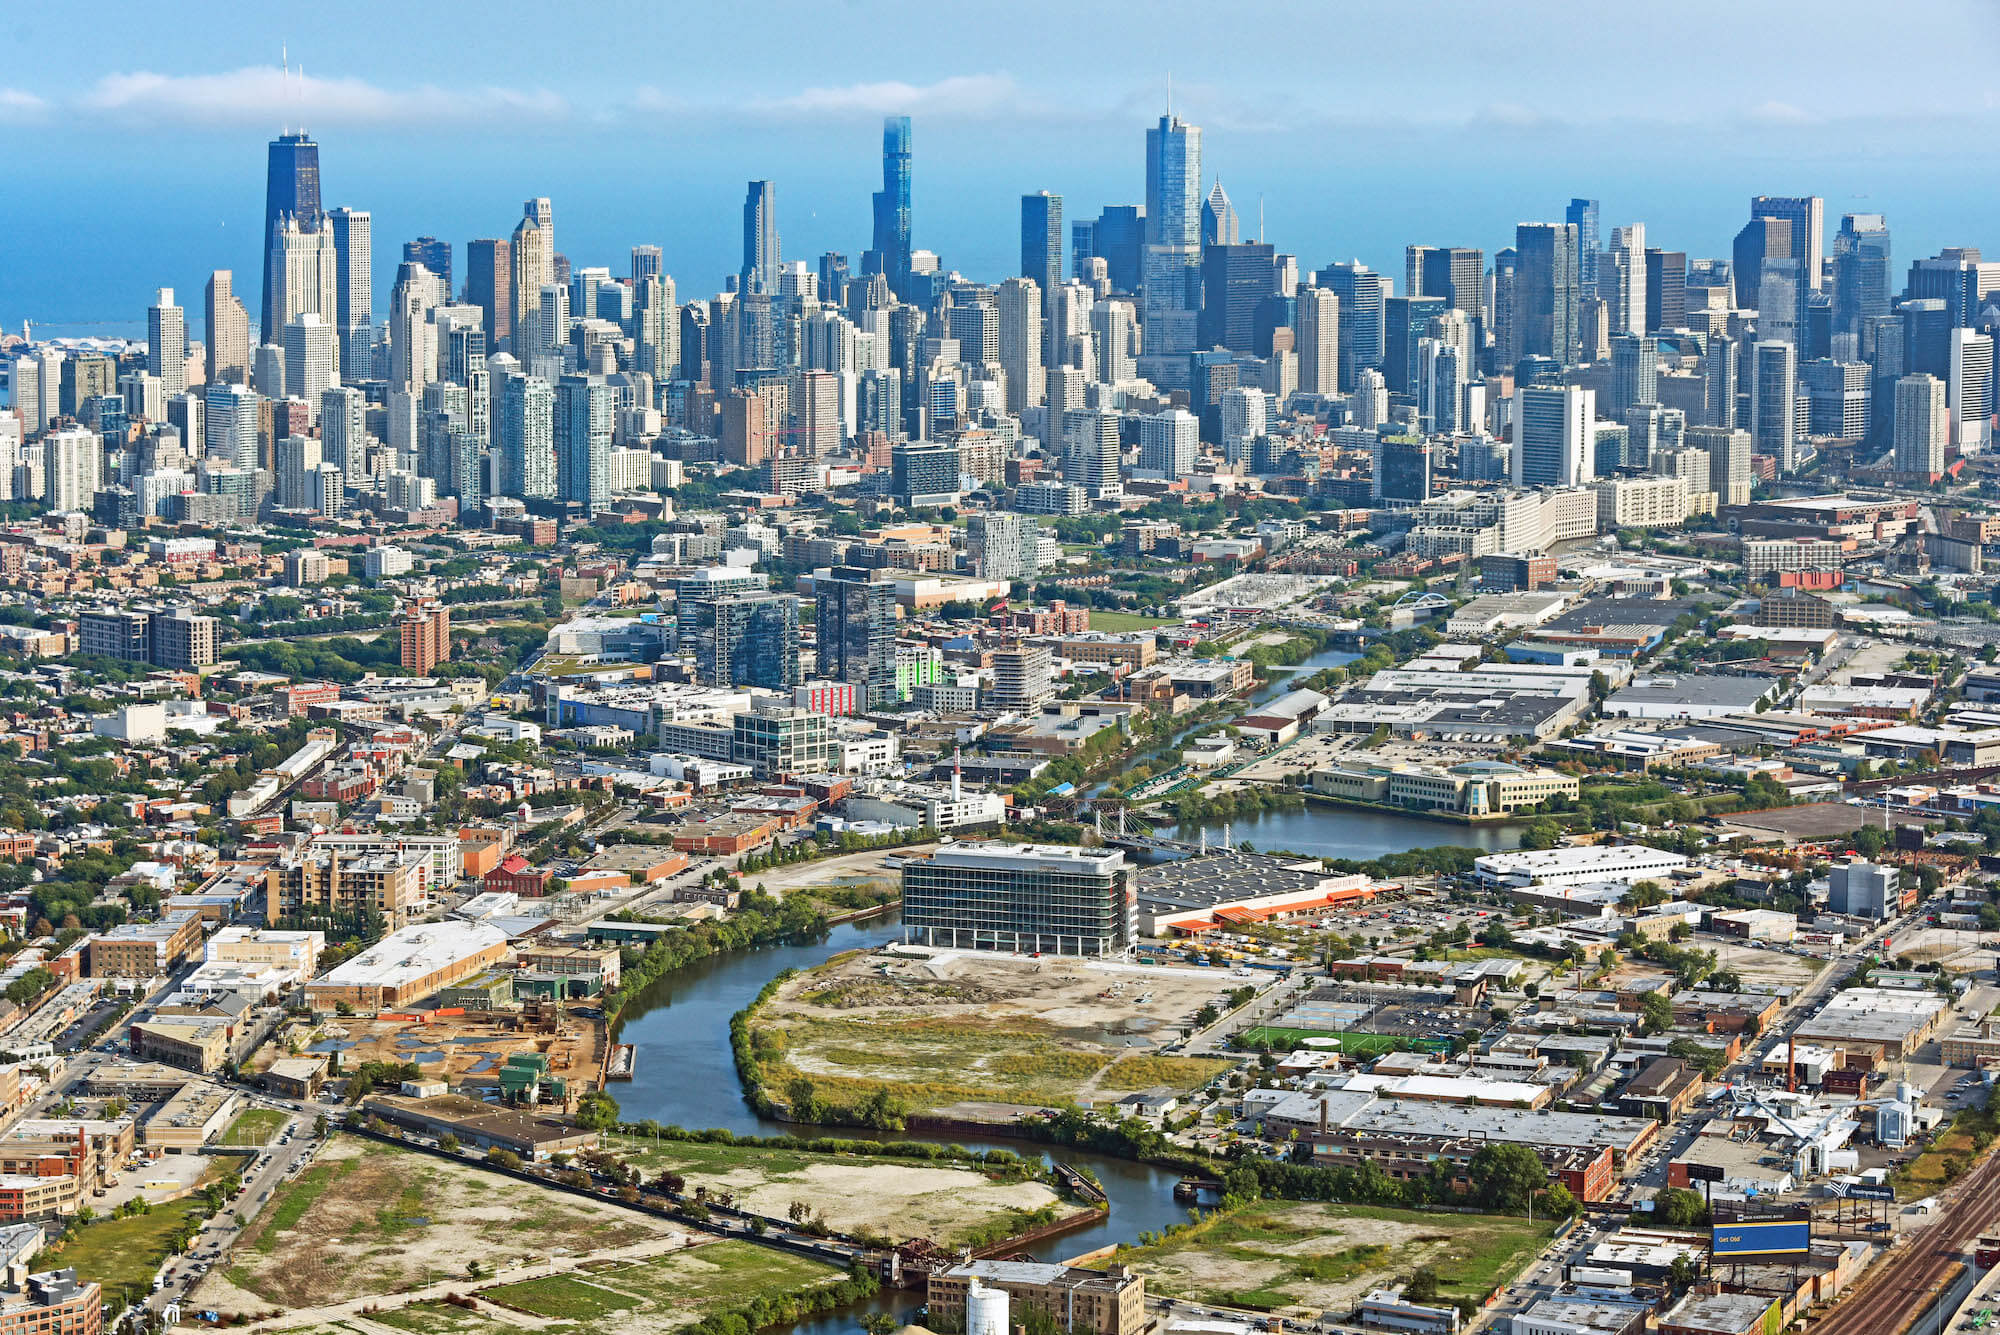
{"x":892,"y":206}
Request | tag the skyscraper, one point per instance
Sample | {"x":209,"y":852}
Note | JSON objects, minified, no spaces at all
{"x":527,"y":437}
{"x":1774,"y":402}
{"x":1546,"y":281}
{"x":892,"y":207}
{"x":583,"y":441}
{"x":1861,"y":268}
{"x":1970,"y":392}
{"x":1582,"y":214}
{"x":426,"y":635}
{"x":434,"y":255}
{"x":760,"y":238}
{"x":1318,"y":341}
{"x":1921,"y":425}
{"x":1626,"y":293}
{"x":856,"y":623}
{"x":72,"y":458}
{"x":1019,"y":303}
{"x":1728,"y":461}
{"x":228,"y":348}
{"x":1041,"y":242}
{"x":1235,"y":281}
{"x":1552,"y":435}
{"x":1169,"y":442}
{"x":1173,"y":234}
{"x":1360,"y":291}
{"x":1804,"y":217}
{"x":1219,"y":223}
{"x":166,"y":343}
{"x":291,"y":190}
{"x":310,"y":359}
{"x":747,"y":639}
{"x":534,"y":258}
{"x":1666,"y":290}
{"x":489,"y":285}
{"x":1634,"y":374}
{"x":353,"y":318}
{"x":304,"y":273}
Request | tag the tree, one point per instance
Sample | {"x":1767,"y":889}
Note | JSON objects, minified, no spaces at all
{"x":596,"y":1111}
{"x":1422,"y":1286}
{"x":1656,"y":1012}
{"x":1678,"y":1208}
{"x":1559,"y":1201}
{"x":1506,"y":1176}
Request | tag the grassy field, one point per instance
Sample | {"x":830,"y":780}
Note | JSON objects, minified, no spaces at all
{"x":1307,"y":1256}
{"x":123,"y":1255}
{"x":1119,"y":621}
{"x":256,"y":1126}
{"x":1354,"y":1044}
{"x":893,"y":1197}
{"x":1951,"y":1153}
{"x":369,"y":1218}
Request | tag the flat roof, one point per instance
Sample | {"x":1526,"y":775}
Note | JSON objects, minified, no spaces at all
{"x":413,"y":953}
{"x":1222,"y":877}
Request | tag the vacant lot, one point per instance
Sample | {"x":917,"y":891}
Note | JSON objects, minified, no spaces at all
{"x":123,"y":1255}
{"x":896,"y":1198}
{"x":955,"y":1027}
{"x":1124,"y":621}
{"x":369,"y":1218}
{"x":257,"y":1126}
{"x":1307,"y":1257}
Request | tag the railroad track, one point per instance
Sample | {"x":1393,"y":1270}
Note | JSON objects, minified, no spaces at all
{"x":1899,"y":1289}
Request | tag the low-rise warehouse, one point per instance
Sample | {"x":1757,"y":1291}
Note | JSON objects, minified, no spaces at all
{"x":409,"y":965}
{"x":1880,"y":1021}
{"x":1194,"y":894}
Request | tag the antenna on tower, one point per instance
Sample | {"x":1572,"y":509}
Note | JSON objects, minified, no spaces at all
{"x":284,"y":81}
{"x":1260,"y":219}
{"x":1170,"y":94}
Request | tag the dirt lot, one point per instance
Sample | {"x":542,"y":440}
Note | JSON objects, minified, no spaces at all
{"x":1772,"y":968}
{"x":847,"y":867}
{"x":464,"y":1049}
{"x":1815,"y":820}
{"x":895,"y":1198}
{"x":368,"y":1218}
{"x":950,"y":1026}
{"x":1309,"y":1258}
{"x":1957,"y":951}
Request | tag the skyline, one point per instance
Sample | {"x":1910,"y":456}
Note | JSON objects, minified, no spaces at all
{"x":1354,"y":166}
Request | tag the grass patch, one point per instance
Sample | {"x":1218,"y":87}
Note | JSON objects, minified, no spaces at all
{"x":431,"y":1318}
{"x":294,"y":1198}
{"x":561,"y":1297}
{"x":123,"y":1255}
{"x":256,"y":1126}
{"x":1954,"y":1148}
{"x":1279,"y":1038}
{"x":1273,"y":1255}
{"x":1118,"y":621}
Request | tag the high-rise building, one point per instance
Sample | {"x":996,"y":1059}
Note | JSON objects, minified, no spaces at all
{"x":527,"y":437}
{"x":1022,"y":678}
{"x":343,"y":427}
{"x":1236,"y":279}
{"x":1402,"y":470}
{"x":747,"y":433}
{"x":1634,"y":374}
{"x":425,"y":624}
{"x":1219,"y":224}
{"x":855,"y":625}
{"x":1360,"y":291}
{"x":1405,"y":322}
{"x":1020,"y":309}
{"x":230,"y":413}
{"x":291,"y":190}
{"x":1805,"y":219}
{"x":489,"y":285}
{"x":1028,"y":898}
{"x":1837,"y":397}
{"x":1245,"y":415}
{"x":1118,"y":237}
{"x":892,"y":248}
{"x":166,"y":342}
{"x":1318,"y":341}
{"x":1003,"y":545}
{"x":533,"y":252}
{"x":305,"y":276}
{"x":1970,"y":391}
{"x":1582,"y":215}
{"x":1041,"y":242}
{"x":1173,"y":234}
{"x":582,"y":434}
{"x":183,"y":640}
{"x":353,"y":317}
{"x":1720,"y":389}
{"x":760,"y":238}
{"x":1760,"y":239}
{"x":228,"y":348}
{"x":1922,"y":425}
{"x":747,"y":639}
{"x":412,"y":335}
{"x":310,"y":359}
{"x":1552,"y":435}
{"x":1861,"y":269}
{"x":1546,"y":289}
{"x":1728,"y":453}
{"x":1625,"y":290}
{"x":1169,"y":442}
{"x":434,"y":255}
{"x":1666,"y":290}
{"x":73,"y":459}
{"x":1774,"y":402}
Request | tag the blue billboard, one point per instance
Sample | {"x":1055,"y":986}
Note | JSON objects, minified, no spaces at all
{"x":1761,"y":1237}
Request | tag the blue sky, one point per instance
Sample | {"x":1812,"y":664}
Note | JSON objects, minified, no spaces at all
{"x":134,"y":142}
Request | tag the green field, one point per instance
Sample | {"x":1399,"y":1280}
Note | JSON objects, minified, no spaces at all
{"x":123,"y":1255}
{"x":562,"y":1298}
{"x":1117,"y":621}
{"x":1308,"y":1256}
{"x":255,"y":1126}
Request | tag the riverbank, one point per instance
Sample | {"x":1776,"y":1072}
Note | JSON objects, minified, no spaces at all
{"x":1314,"y":799}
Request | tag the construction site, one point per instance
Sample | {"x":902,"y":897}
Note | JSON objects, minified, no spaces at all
{"x":475,"y":1050}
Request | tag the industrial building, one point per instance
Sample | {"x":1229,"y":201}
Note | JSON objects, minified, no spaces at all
{"x":1589,"y":864}
{"x":1884,"y":1022}
{"x":409,"y":965}
{"x":1036,"y":898}
{"x":1099,"y":1302}
{"x":1190,"y":895}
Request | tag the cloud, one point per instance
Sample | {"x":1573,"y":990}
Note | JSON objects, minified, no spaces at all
{"x":967,"y":95}
{"x":260,"y":94}
{"x":17,"y":104}
{"x":1779,"y":113}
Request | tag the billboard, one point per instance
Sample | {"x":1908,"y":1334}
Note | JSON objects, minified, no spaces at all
{"x":1761,"y":1237}
{"x":1704,"y":1172}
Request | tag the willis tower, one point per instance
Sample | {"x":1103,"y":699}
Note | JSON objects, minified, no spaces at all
{"x":291,"y":186}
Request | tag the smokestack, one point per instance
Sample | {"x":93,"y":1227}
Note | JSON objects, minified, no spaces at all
{"x":956,"y":781}
{"x":1792,"y":1064}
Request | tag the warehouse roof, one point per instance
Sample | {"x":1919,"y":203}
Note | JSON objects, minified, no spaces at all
{"x":415,"y":952}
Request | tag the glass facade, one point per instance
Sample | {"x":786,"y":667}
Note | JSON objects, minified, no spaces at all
{"x":1058,"y":901}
